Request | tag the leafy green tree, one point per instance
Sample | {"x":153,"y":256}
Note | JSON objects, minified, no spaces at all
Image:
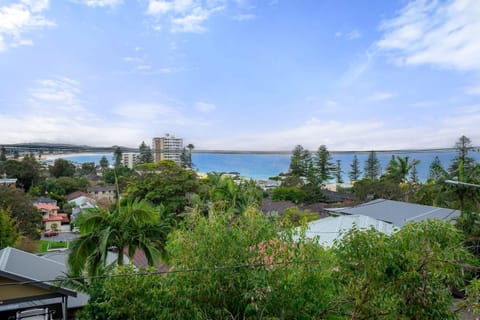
{"x":118,"y":175}
{"x":372,"y":166}
{"x":221,"y":239}
{"x":146,"y":155}
{"x":408,"y":275}
{"x":355,"y":171}
{"x":164,"y":183}
{"x":399,"y":168}
{"x":70,"y":184}
{"x":117,"y":157}
{"x":134,"y":225}
{"x":104,"y":163}
{"x":8,"y":230}
{"x":366,"y":190}
{"x":226,"y":194}
{"x":3,"y":153}
{"x":28,"y":172}
{"x":62,"y":168}
{"x":324,"y":164}
{"x":87,"y":168}
{"x":296,"y":217}
{"x":19,"y":205}
{"x":293,"y":194}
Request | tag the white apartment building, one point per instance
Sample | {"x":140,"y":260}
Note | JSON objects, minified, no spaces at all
{"x":167,"y":148}
{"x":130,"y":159}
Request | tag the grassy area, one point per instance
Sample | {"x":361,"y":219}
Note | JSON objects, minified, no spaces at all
{"x":46,"y":245}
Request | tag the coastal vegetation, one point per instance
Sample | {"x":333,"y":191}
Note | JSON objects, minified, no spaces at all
{"x":220,"y":257}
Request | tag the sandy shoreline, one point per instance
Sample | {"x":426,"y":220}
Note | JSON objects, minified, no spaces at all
{"x":63,"y":155}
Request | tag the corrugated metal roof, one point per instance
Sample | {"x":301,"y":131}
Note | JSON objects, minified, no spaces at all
{"x":19,"y":265}
{"x":397,"y":212}
{"x":332,"y":228}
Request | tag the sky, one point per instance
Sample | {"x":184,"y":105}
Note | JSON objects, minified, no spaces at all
{"x":241,"y":74}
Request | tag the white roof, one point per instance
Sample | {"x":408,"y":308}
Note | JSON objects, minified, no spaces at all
{"x":332,"y":228}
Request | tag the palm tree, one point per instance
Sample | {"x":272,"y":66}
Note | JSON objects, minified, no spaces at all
{"x":400,"y":167}
{"x":135,"y":225}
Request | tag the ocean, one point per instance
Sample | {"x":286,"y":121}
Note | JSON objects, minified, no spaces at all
{"x":263,"y":166}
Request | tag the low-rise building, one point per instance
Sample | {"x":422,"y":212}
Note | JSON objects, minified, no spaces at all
{"x":102,"y":193}
{"x":33,"y":293}
{"x":52,"y":219}
{"x":4,"y":181}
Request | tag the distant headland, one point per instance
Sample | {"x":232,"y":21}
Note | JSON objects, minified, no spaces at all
{"x":61,"y":148}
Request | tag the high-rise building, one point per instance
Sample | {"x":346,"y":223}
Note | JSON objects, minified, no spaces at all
{"x":167,"y":148}
{"x":130,"y":159}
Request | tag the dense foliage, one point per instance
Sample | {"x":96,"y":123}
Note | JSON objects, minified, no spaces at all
{"x":163,"y":183}
{"x":245,"y":267}
{"x":19,"y":205}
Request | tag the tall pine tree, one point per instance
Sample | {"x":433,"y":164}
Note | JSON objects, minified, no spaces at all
{"x":338,"y":172}
{"x":355,"y":171}
{"x":324,"y":164}
{"x":372,"y":166}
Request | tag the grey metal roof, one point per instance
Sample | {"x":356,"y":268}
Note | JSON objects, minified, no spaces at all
{"x":327,"y":230}
{"x":396,"y":212}
{"x":19,"y":265}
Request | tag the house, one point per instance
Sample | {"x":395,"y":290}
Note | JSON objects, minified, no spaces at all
{"x":51,"y":218}
{"x":80,"y":201}
{"x":4,"y":181}
{"x":29,"y":288}
{"x":45,"y":200}
{"x":102,"y":193}
{"x":397,"y":213}
{"x":327,"y":230}
{"x":385,"y":216}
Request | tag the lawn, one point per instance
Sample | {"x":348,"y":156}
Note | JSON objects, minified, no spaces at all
{"x":46,"y":245}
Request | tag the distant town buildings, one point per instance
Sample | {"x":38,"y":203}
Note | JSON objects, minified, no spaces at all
{"x":130,"y":159}
{"x":167,"y":148}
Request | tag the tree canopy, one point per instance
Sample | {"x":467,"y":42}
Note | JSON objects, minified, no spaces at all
{"x":163,"y":183}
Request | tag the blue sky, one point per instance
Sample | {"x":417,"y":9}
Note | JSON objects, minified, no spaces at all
{"x":241,"y":74}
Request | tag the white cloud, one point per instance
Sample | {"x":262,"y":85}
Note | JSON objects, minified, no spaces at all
{"x":20,"y":18}
{"x":184,"y":15}
{"x":156,"y":7}
{"x":380,"y":96}
{"x":352,"y":35}
{"x":205,"y":107}
{"x":441,"y":33}
{"x":156,"y":114}
{"x":473,"y":90}
{"x":244,"y":17}
{"x":355,"y":135}
{"x":57,"y":94}
{"x":193,"y":22}
{"x":101,"y":3}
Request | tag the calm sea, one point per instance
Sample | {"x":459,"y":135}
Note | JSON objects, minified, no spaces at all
{"x":263,"y":166}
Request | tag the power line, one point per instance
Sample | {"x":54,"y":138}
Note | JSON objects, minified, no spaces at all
{"x":216,"y":268}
